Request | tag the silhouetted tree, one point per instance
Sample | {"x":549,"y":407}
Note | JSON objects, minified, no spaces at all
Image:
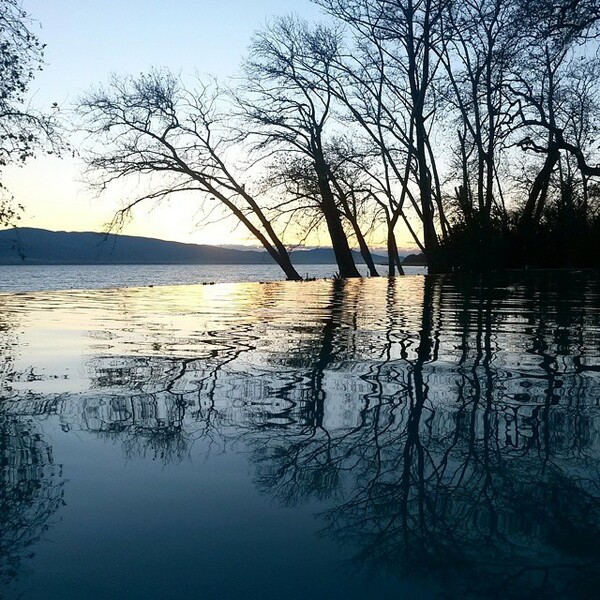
{"x":286,"y":101}
{"x":482,"y":44}
{"x":405,"y":34}
{"x":548,"y":83}
{"x":23,"y":130}
{"x":295,"y":176}
{"x":176,"y":140}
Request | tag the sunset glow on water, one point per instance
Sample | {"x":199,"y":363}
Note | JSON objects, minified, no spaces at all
{"x":369,"y":438}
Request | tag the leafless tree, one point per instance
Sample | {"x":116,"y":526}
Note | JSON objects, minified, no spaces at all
{"x":547,"y":83}
{"x":286,"y":102}
{"x":404,"y":33}
{"x":481,"y":44}
{"x":174,"y":138}
{"x":353,"y":194}
{"x":23,"y":129}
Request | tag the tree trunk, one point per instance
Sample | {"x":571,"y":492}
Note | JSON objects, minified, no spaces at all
{"x":429,"y":234}
{"x":364,"y":250}
{"x":277,"y":251}
{"x":351,"y":216}
{"x":392,"y":250}
{"x":286,"y":265}
{"x":339,"y":241}
{"x":538,"y":191}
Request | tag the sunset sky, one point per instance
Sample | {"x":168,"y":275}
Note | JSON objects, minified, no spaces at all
{"x":86,"y":42}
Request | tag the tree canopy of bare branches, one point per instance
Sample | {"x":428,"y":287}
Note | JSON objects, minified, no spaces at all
{"x":174,"y":138}
{"x":468,"y":126}
{"x":23,"y":129}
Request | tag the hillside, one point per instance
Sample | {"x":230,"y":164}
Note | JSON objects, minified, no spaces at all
{"x":26,"y":245}
{"x":415,"y":260}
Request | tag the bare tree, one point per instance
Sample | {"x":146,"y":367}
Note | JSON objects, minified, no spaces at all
{"x":544,"y":84}
{"x":287,"y":104}
{"x":367,"y":92}
{"x":23,"y":130}
{"x":404,"y":34}
{"x":153,"y":127}
{"x":481,"y":44}
{"x":296,"y":179}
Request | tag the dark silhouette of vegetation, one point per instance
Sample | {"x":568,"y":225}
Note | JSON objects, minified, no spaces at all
{"x":23,"y":130}
{"x":471,"y":125}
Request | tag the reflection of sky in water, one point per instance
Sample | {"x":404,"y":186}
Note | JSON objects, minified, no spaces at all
{"x":380,"y":438}
{"x":27,"y":278}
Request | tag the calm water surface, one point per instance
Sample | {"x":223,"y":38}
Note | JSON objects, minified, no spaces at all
{"x":32,"y":278}
{"x":416,"y":437}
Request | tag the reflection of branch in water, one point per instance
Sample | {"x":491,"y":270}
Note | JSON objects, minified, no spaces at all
{"x":31,"y":491}
{"x":31,"y":486}
{"x":439,"y":490}
{"x":153,"y":419}
{"x":8,"y":351}
{"x":451,"y":425}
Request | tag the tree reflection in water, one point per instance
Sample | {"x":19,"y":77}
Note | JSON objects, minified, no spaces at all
{"x":31,"y":491}
{"x":451,"y":425}
{"x":481,"y":471}
{"x":31,"y":485}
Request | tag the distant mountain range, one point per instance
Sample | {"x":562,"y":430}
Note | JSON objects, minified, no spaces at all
{"x":415,"y":260}
{"x":25,"y":245}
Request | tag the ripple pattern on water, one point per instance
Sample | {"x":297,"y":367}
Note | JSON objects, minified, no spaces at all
{"x":449,"y":427}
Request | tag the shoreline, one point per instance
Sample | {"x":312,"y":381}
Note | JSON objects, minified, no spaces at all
{"x":200,"y":284}
{"x":87,"y":277}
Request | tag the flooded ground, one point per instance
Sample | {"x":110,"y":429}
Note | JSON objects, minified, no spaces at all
{"x":416,"y":437}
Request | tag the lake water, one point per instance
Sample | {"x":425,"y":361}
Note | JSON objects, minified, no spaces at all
{"x":416,"y":437}
{"x":31,"y":278}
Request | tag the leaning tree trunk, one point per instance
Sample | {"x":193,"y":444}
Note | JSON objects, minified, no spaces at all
{"x":274,"y":246}
{"x":392,"y":250}
{"x":364,"y":247}
{"x":339,"y":241}
{"x":430,"y":238}
{"x":538,"y":192}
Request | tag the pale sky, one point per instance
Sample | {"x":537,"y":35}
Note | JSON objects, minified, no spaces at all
{"x":89,"y":40}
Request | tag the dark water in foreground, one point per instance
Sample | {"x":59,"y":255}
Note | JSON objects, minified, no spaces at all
{"x":416,"y":437}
